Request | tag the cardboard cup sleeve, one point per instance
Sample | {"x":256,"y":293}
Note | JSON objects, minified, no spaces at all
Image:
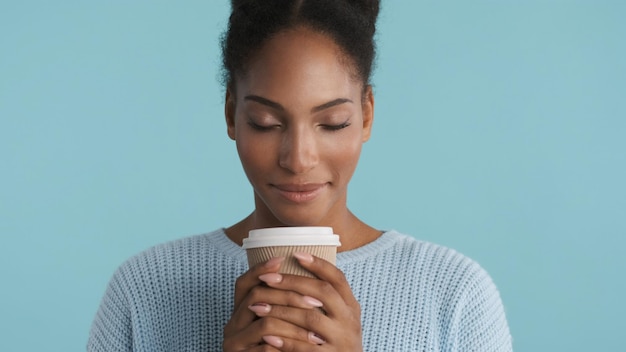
{"x":291,"y":265}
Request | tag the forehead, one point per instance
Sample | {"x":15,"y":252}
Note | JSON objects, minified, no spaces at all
{"x":299,"y":62}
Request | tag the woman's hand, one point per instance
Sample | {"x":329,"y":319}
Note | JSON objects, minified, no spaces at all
{"x":245,"y":331}
{"x":289,"y":324}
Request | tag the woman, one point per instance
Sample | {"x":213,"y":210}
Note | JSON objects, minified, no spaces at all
{"x":299,"y":106}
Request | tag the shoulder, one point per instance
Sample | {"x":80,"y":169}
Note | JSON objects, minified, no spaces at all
{"x":427,"y":258}
{"x":447,"y":276}
{"x":178,"y":255}
{"x":177,"y":275}
{"x":185,"y":265}
{"x":464,"y":293}
{"x":162,"y":253}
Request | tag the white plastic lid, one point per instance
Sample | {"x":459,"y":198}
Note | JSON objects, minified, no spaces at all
{"x":291,"y":236}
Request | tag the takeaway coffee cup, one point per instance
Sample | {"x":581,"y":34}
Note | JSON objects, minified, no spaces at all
{"x":264,"y":244}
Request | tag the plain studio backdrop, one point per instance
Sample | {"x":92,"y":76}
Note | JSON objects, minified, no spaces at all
{"x":500,"y":131}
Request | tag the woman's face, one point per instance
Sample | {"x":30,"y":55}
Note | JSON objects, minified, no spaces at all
{"x":299,"y":118}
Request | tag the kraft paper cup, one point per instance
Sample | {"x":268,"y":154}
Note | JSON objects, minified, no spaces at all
{"x":264,"y":244}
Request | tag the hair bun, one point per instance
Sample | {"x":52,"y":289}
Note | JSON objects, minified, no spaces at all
{"x":236,"y":3}
{"x":369,"y":8}
{"x":351,"y":24}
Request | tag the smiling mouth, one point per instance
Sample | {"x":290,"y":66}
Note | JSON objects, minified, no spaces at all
{"x":300,"y":193}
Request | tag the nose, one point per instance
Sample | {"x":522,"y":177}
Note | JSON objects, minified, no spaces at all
{"x":298,"y":151}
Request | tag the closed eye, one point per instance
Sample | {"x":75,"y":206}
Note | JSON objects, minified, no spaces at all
{"x":336,"y":127}
{"x":261,"y":128}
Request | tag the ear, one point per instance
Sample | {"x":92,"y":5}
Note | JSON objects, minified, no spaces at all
{"x":368,"y":112}
{"x":229,"y":112}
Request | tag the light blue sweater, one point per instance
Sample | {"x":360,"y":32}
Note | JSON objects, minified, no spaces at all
{"x":414,"y":296}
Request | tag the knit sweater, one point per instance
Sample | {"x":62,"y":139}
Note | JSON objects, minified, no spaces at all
{"x":414,"y":296}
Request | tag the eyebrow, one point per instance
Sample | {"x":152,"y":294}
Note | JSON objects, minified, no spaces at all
{"x":275,"y":105}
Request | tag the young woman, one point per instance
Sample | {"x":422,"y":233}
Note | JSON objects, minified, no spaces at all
{"x":299,"y":107}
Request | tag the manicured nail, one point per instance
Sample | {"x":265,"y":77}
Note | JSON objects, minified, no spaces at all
{"x":316,"y":339}
{"x":303,"y":257}
{"x":273,"y":340}
{"x":271,"y":278}
{"x":260,"y":308}
{"x":312,"y":301}
{"x":274,"y":262}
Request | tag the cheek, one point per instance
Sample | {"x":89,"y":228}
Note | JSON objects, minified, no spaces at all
{"x":254,"y":156}
{"x":345,"y":156}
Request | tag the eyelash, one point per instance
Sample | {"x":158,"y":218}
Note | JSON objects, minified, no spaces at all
{"x":259,"y":127}
{"x":331,"y":128}
{"x":336,"y":127}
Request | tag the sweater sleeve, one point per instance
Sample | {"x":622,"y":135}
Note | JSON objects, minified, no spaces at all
{"x":482,"y":321}
{"x":111,"y":330}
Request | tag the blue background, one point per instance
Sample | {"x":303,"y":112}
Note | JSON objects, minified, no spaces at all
{"x":500,"y":131}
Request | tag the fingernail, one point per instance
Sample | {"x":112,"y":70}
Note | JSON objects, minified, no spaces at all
{"x":312,"y":301}
{"x":273,"y":340}
{"x":316,"y":339}
{"x":260,"y":308}
{"x":303,"y":257}
{"x":274,"y":262}
{"x":271,"y":278}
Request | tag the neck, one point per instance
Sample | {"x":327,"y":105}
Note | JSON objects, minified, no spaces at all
{"x":352,"y":231}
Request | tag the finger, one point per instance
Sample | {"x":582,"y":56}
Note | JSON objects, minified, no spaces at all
{"x":326,"y":271}
{"x":248,"y":280}
{"x":242,"y":340}
{"x":270,"y":326}
{"x":242,"y":316}
{"x":261,"y":296}
{"x":262,"y":348}
{"x":319,"y":326}
{"x":269,"y":295}
{"x":324,"y":291}
{"x":287,"y":344}
{"x":306,"y":319}
{"x":258,"y":347}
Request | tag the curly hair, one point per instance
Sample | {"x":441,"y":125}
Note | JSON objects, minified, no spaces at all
{"x":350,"y":23}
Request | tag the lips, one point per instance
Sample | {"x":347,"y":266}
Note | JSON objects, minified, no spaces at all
{"x":299,"y":193}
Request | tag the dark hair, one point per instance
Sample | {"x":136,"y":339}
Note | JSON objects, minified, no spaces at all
{"x":350,"y":23}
